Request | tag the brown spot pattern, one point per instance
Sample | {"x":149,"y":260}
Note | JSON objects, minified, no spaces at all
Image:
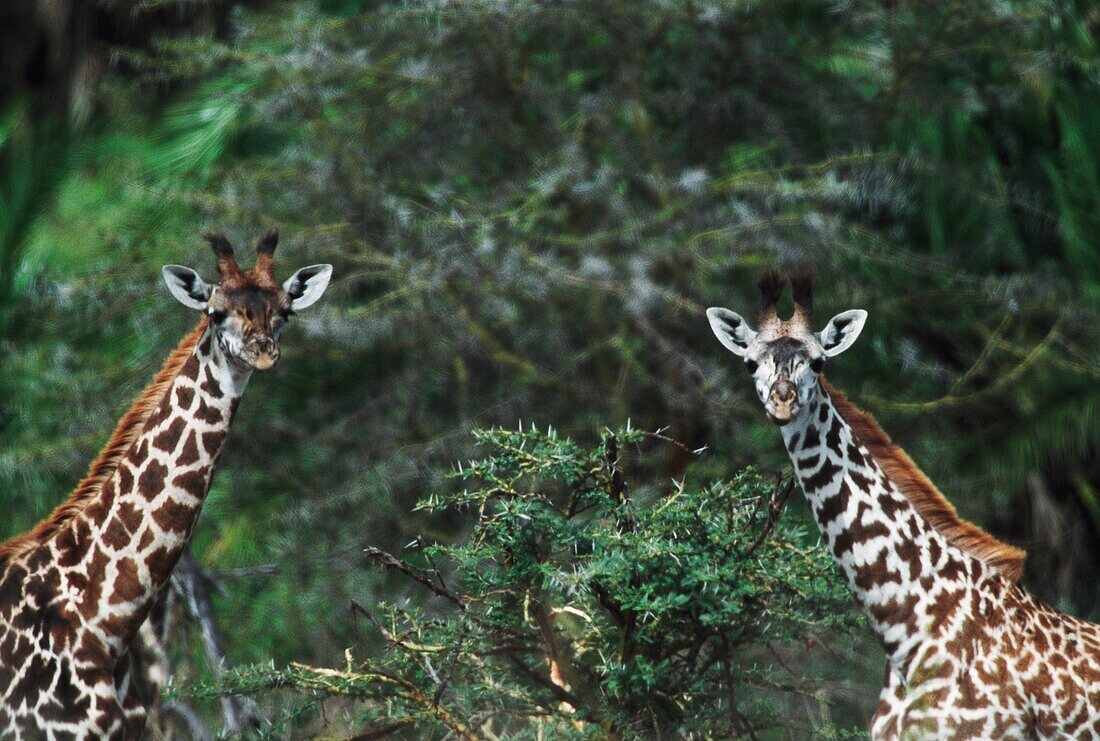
{"x":173,"y":516}
{"x":212,"y":442}
{"x":207,"y":413}
{"x":100,"y":560}
{"x":184,"y":397}
{"x":940,"y":596}
{"x":170,"y":437}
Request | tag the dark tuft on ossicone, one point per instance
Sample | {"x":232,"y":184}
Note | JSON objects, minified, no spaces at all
{"x":771,"y":285}
{"x":219,"y":243}
{"x":264,"y":271}
{"x":227,"y":262}
{"x":268,"y":241}
{"x":802,"y":288}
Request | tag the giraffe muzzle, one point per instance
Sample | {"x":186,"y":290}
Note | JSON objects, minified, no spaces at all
{"x":261,"y":354}
{"x":782,"y":401}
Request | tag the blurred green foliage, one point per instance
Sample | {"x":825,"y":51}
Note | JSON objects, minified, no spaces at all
{"x":529,"y":205}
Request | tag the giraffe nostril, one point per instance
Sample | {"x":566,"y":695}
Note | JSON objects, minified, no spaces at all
{"x":269,"y":347}
{"x":783,"y":391}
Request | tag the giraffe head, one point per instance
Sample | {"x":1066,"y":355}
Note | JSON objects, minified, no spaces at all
{"x":785,"y":356}
{"x":247,"y":309}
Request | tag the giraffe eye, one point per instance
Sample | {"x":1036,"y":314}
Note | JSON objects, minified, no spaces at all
{"x":817,"y":364}
{"x":217,"y":317}
{"x":752,"y":365}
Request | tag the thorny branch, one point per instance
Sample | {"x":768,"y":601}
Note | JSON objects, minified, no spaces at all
{"x":394,"y":639}
{"x":387,"y":560}
{"x":775,"y":508}
{"x":562,"y":694}
{"x":346,"y":683}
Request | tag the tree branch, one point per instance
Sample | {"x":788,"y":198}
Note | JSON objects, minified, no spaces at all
{"x":191,"y":581}
{"x":775,"y":508}
{"x":387,"y":560}
{"x":338,"y":682}
{"x":562,"y":694}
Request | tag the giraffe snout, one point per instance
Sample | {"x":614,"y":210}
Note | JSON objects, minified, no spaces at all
{"x":261,"y":353}
{"x":781,"y":401}
{"x":783,"y":391}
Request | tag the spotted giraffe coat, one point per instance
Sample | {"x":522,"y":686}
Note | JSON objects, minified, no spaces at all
{"x":74,"y":591}
{"x":970,"y":653}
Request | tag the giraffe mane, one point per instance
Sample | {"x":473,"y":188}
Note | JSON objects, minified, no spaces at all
{"x":928,"y":500}
{"x":106,"y":463}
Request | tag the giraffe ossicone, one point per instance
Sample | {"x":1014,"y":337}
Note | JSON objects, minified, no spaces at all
{"x":75,"y":590}
{"x":970,"y":653}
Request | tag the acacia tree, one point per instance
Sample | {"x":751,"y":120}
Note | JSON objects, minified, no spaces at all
{"x":580,"y":603}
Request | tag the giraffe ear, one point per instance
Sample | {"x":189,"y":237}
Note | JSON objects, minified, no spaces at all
{"x":841,"y":331}
{"x":186,"y":286}
{"x":731,"y":330}
{"x":307,"y":285}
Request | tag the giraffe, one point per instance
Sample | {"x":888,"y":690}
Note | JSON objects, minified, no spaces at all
{"x":75,"y":589}
{"x":970,"y":654}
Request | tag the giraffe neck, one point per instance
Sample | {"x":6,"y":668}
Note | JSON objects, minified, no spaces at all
{"x":118,"y":552}
{"x":896,"y":563}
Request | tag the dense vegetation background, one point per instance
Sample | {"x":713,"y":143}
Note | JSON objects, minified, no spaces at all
{"x":529,"y":205}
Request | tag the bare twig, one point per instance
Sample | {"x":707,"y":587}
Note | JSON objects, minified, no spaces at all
{"x":195,"y":727}
{"x":394,"y":639}
{"x":247,"y":572}
{"x":775,"y":508}
{"x":1004,"y":380}
{"x":659,"y":435}
{"x":431,"y":562}
{"x":382,"y":558}
{"x":192,"y":582}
